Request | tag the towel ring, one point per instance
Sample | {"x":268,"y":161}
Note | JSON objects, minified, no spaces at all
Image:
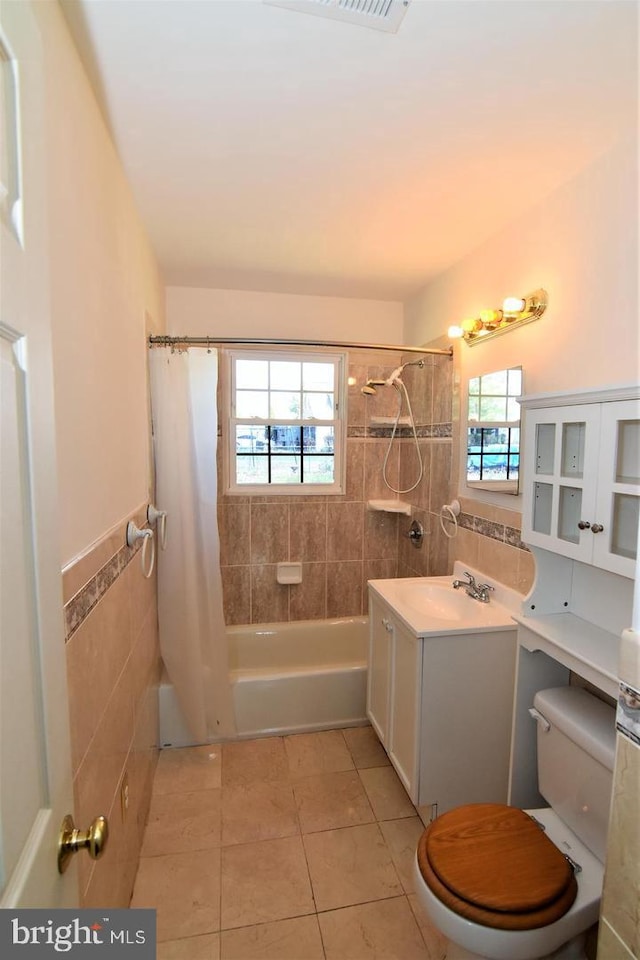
{"x":133,"y":535}
{"x":449,"y":513}
{"x":160,"y":517}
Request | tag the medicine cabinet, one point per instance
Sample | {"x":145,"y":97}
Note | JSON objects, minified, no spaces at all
{"x":582,"y":489}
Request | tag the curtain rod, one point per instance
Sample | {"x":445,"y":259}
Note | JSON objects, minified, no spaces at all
{"x":162,"y":341}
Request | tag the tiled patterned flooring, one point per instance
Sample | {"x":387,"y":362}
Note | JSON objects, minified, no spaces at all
{"x":285,"y":848}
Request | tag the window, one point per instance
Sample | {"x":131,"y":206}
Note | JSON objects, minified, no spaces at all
{"x":286,"y":424}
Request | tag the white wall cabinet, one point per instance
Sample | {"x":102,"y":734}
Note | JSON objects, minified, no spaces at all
{"x":582,"y":486}
{"x":441,"y":706}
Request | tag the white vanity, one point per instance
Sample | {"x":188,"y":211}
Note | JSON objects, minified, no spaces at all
{"x":440,"y":688}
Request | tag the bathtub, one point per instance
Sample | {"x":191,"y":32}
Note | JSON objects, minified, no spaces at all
{"x":299,"y":676}
{"x":288,"y":678}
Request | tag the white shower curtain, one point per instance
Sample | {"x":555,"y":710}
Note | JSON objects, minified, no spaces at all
{"x":192,"y":630}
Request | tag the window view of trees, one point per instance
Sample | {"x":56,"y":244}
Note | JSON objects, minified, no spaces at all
{"x":285,"y":416}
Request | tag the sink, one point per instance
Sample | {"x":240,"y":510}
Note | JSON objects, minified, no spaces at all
{"x":430,"y":605}
{"x":439,"y":599}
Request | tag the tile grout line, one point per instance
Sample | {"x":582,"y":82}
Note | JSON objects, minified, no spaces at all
{"x":316,"y":912}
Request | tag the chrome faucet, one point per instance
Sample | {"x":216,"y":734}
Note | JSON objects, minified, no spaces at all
{"x":477,"y":591}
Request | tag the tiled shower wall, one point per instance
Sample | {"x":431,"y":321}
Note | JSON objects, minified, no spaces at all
{"x":340,"y":542}
{"x":111,"y":629}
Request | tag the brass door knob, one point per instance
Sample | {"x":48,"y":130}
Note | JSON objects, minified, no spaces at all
{"x":93,"y":840}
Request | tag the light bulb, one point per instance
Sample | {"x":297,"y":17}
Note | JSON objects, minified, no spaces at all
{"x":514,"y":305}
{"x":455,"y":332}
{"x":491,"y":318}
{"x":471,"y":325}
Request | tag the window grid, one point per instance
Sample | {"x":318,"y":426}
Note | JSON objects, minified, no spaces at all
{"x":307,"y":384}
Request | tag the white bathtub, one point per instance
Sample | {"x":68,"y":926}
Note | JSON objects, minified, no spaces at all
{"x":299,"y":676}
{"x":287,"y":678}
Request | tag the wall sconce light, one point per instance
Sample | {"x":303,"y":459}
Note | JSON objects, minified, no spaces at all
{"x":515,"y":312}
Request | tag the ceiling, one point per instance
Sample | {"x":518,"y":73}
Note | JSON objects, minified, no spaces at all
{"x":271,"y":150}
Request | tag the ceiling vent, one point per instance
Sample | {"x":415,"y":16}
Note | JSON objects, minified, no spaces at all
{"x":379,"y":14}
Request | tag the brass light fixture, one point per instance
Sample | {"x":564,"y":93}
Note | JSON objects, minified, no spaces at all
{"x":515,"y":312}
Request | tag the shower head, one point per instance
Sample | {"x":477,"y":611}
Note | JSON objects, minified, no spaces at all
{"x":369,"y":389}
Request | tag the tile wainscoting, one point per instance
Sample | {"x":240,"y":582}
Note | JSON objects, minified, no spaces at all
{"x":113,"y":672}
{"x":488,"y":539}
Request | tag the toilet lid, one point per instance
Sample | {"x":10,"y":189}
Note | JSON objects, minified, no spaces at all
{"x":494,"y":865}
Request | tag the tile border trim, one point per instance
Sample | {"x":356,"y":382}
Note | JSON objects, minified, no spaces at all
{"x":493,"y":530}
{"x":80,"y":605}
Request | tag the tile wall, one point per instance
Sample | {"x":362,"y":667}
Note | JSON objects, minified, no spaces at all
{"x":488,"y":539}
{"x":340,"y":542}
{"x":111,"y":630}
{"x":619,"y":933}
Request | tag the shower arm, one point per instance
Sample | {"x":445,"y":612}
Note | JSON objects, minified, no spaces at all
{"x":392,"y":380}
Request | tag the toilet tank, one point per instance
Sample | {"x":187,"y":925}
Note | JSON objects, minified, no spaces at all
{"x":575,"y":761}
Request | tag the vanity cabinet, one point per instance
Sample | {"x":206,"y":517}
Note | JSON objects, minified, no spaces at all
{"x":582,"y":488}
{"x":441,"y":705}
{"x":393,"y":691}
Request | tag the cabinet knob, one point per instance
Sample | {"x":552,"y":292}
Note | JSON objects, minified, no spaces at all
{"x":596,"y":528}
{"x":583,"y":525}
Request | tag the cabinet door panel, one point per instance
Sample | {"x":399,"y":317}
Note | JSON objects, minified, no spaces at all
{"x":561,"y":461}
{"x":617,"y":510}
{"x":405,"y":708}
{"x":379,"y":670}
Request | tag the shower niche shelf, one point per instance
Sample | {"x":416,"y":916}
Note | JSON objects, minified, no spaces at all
{"x":389,"y":421}
{"x":390,"y":506}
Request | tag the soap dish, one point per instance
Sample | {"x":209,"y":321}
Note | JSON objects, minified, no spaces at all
{"x":289,"y":572}
{"x":390,"y":506}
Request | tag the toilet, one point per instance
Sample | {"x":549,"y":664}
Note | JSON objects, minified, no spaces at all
{"x":509,"y":884}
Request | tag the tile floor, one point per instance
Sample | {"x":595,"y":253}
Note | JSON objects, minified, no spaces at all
{"x":285,"y":848}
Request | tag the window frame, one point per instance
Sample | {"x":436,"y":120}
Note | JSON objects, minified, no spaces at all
{"x":339,"y":423}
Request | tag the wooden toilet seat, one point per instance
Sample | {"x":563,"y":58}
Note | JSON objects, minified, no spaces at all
{"x":493,"y":865}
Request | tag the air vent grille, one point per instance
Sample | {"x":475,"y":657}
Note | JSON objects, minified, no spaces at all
{"x":379,"y":14}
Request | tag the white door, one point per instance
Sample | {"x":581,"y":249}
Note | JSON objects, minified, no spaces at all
{"x":35,"y":769}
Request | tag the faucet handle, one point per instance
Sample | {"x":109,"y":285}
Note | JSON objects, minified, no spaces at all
{"x":485,"y":586}
{"x":469,"y":577}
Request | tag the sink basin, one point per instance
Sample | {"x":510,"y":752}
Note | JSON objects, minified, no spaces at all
{"x":430,"y":605}
{"x":440,"y":600}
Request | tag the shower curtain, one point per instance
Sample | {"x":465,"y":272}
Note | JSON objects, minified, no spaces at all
{"x":193,"y":640}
